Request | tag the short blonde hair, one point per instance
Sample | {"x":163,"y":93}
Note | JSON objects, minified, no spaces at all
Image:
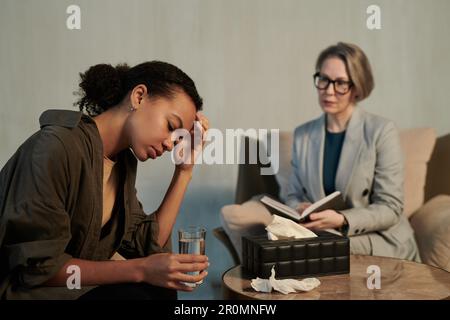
{"x":356,"y":63}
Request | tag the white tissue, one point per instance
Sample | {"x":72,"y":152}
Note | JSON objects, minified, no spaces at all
{"x":284,"y":286}
{"x":286,"y":228}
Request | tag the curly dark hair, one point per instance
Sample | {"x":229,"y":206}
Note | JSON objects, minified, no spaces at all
{"x":103,"y":86}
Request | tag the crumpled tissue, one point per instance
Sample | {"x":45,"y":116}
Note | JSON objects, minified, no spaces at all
{"x":284,"y":286}
{"x":285,"y":228}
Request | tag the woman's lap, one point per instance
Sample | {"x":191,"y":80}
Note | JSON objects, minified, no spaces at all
{"x":129,"y":291}
{"x":360,"y":245}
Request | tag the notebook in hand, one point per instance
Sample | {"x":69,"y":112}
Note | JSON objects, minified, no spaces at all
{"x":333,"y":201}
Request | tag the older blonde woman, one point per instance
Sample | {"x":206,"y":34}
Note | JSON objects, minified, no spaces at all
{"x":355,"y":152}
{"x":349,"y":150}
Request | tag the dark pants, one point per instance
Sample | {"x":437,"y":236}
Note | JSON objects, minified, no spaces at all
{"x":130,"y":291}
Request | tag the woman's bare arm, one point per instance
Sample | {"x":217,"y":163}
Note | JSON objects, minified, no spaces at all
{"x":163,"y":269}
{"x":168,"y":210}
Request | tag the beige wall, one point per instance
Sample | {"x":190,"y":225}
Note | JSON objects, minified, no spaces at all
{"x":251,"y":59}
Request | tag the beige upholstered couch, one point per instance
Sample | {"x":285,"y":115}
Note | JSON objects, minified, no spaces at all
{"x":427,"y":193}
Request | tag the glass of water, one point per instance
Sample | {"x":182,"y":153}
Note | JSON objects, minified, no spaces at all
{"x":191,"y":240}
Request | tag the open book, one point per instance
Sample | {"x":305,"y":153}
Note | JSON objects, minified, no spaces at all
{"x":333,"y":201}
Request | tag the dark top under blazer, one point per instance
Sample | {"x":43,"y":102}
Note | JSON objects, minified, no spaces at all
{"x":331,"y":155}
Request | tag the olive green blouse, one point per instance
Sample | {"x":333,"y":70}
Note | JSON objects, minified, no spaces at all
{"x":51,"y":208}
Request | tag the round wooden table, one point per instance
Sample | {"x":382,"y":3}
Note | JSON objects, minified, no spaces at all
{"x":400,"y":280}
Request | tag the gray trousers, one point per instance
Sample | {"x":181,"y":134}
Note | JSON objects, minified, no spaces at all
{"x":362,"y":244}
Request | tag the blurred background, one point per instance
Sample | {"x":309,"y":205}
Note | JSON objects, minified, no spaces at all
{"x":252,"y":61}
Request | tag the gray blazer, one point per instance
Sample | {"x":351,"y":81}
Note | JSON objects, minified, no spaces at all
{"x":369,"y":176}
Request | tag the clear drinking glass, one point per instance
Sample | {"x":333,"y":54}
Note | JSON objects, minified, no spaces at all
{"x":191,"y":240}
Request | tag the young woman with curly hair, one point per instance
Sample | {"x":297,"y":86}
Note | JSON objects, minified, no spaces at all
{"x":68,"y":197}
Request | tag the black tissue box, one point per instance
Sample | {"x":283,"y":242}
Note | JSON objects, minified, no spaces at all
{"x":326,"y":254}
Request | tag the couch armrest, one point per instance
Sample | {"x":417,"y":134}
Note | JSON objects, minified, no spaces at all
{"x":438,"y":174}
{"x":431,"y":224}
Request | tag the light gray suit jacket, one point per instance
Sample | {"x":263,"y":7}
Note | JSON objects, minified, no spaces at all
{"x":369,"y":176}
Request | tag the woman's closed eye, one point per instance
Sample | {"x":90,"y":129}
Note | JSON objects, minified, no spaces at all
{"x":176,"y":139}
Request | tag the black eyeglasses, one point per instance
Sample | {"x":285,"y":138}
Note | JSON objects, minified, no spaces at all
{"x":340,"y":86}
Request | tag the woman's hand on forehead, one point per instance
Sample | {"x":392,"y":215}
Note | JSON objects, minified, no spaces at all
{"x":199,"y":116}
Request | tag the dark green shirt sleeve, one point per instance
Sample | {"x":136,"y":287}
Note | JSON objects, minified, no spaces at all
{"x":142,"y":235}
{"x":36,"y":224}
